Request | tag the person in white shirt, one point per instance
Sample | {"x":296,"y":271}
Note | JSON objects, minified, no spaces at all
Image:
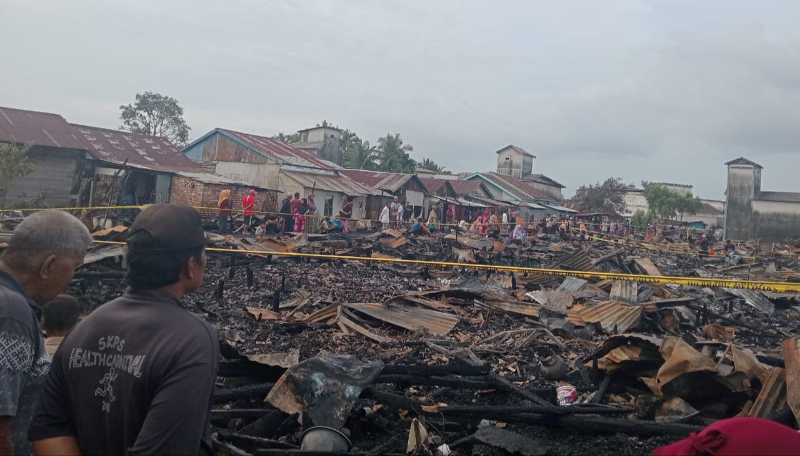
{"x":400,"y":213}
{"x":384,"y":218}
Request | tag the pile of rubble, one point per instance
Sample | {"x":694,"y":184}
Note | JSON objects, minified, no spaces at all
{"x":380,"y":358}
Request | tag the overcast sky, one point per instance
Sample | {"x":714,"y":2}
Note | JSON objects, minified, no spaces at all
{"x":643,"y":90}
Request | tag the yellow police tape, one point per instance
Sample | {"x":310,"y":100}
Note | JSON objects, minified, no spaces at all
{"x":778,"y":287}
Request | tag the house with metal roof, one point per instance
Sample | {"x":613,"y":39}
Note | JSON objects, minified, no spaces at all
{"x":408,"y":188}
{"x":467,"y":197}
{"x":531,"y":200}
{"x":55,"y":151}
{"x":131,"y":168}
{"x":259,"y":160}
{"x":752,"y":213}
{"x":84,"y":165}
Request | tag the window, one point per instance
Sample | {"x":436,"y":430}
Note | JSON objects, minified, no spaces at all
{"x":328,"y":211}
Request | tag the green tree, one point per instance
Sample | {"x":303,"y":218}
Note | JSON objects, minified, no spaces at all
{"x":607,"y":197}
{"x":641,"y":220}
{"x":660,"y":200}
{"x":14,"y":163}
{"x":288,"y":139}
{"x":155,"y":115}
{"x":668,"y":204}
{"x":393,"y":155}
{"x":358,"y":154}
{"x":688,"y":204}
{"x":431,"y":165}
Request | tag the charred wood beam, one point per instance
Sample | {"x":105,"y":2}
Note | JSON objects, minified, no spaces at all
{"x":243,"y":392}
{"x":317,"y":453}
{"x":229,"y":414}
{"x":247,"y":368}
{"x":227,"y":448}
{"x":509,"y":386}
{"x":608,"y":425}
{"x":252,"y":441}
{"x":394,"y":401}
{"x":455,"y":382}
{"x":455,"y":368}
{"x":99,"y":275}
{"x":495,"y":411}
{"x":601,"y":391}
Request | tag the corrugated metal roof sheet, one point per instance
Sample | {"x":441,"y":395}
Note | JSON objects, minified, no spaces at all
{"x":611,"y":316}
{"x":432,"y":184}
{"x":784,"y":197}
{"x":330,"y":181}
{"x":561,"y":208}
{"x":520,"y":189}
{"x":542,"y":179}
{"x":140,"y":151}
{"x":461,"y":202}
{"x":516,"y":149}
{"x":279,"y":150}
{"x":410,"y":318}
{"x":465,"y":187}
{"x":379,"y":180}
{"x":742,"y":161}
{"x":38,"y":129}
{"x":208,"y":178}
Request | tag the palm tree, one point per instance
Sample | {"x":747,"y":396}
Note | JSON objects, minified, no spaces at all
{"x":430,"y":165}
{"x":358,"y":154}
{"x":393,"y":154}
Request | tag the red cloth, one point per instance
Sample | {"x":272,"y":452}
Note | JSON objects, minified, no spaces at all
{"x":737,"y":437}
{"x":296,"y":204}
{"x":248,"y":203}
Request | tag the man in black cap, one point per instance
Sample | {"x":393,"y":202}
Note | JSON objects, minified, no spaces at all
{"x":136,"y":376}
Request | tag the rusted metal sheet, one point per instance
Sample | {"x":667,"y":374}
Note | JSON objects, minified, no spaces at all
{"x":260,"y":313}
{"x":623,"y":291}
{"x":277,"y":150}
{"x":35,"y":128}
{"x":102,"y":253}
{"x":612,"y":316}
{"x":519,"y":308}
{"x":410,"y":318}
{"x":553,"y":300}
{"x":772,"y":397}
{"x":572,"y":284}
{"x":647,"y":265}
{"x":328,"y":181}
{"x":755,"y":299}
{"x":277,"y":359}
{"x":141,"y":151}
{"x":791,"y":357}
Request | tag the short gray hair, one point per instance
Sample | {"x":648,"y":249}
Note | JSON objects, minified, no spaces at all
{"x":47,"y":232}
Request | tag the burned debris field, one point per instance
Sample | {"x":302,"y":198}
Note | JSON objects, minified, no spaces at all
{"x":392,"y":358}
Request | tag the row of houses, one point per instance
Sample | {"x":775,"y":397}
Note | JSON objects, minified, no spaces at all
{"x":82,"y":165}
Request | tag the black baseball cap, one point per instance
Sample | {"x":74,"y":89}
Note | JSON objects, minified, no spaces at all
{"x":165,"y":228}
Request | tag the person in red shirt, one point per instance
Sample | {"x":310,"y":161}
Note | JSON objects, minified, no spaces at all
{"x":248,"y":204}
{"x":738,"y":436}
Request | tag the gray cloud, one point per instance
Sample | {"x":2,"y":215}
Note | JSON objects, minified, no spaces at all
{"x":643,"y":90}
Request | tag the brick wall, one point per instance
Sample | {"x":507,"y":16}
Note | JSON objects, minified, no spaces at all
{"x":198,"y":194}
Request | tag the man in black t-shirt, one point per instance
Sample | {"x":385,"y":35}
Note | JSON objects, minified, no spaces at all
{"x":136,"y":376}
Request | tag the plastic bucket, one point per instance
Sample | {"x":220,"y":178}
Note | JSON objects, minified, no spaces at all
{"x":323,"y":438}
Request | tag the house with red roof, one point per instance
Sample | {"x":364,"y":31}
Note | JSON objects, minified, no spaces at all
{"x":55,"y":152}
{"x":83,"y":165}
{"x":263,"y":161}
